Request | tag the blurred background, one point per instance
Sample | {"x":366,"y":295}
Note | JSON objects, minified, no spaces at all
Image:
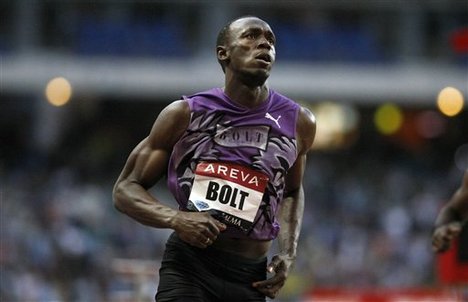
{"x":83,"y":81}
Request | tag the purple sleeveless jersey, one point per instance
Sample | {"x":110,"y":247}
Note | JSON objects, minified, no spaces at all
{"x":241,"y":145}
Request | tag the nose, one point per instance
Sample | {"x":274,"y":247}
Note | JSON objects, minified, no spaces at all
{"x":264,"y":43}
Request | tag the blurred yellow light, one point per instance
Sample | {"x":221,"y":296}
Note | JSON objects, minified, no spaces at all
{"x":450,"y":101}
{"x":335,"y":124}
{"x":388,"y":119}
{"x":58,"y":91}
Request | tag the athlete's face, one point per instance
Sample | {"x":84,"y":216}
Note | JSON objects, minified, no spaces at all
{"x":250,"y":50}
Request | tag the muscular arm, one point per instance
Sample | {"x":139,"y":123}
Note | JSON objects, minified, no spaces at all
{"x":146,"y":164}
{"x":291,"y":210}
{"x":451,"y":217}
{"x":292,"y":207}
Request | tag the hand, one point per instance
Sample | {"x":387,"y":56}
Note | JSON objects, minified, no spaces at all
{"x":197,"y":228}
{"x":443,"y":236}
{"x":280,"y":266}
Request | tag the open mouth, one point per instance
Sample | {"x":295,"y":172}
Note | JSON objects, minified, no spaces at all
{"x":264,"y":57}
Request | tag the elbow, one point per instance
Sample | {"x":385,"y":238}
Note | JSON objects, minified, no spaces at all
{"x":118,"y":198}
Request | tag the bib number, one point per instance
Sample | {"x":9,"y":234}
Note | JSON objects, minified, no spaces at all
{"x":232,"y":192}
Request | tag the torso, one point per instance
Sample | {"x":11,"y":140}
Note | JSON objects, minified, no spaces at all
{"x":262,"y":139}
{"x":245,"y":247}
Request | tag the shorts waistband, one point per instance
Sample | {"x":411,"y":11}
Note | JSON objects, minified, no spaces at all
{"x":216,"y":252}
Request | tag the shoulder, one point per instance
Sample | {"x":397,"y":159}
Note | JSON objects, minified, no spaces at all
{"x":305,"y":128}
{"x":305,"y":122}
{"x":176,"y":109}
{"x":176,"y":113}
{"x":170,"y":124}
{"x":210,"y":93}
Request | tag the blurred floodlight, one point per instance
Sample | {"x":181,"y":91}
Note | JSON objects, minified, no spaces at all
{"x":430,"y":124}
{"x":335,"y":123}
{"x":58,"y":91}
{"x":388,"y":118}
{"x":450,"y":101}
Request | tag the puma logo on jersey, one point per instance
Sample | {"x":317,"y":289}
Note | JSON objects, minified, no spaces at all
{"x":276,"y":120}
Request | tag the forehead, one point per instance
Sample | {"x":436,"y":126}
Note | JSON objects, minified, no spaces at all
{"x":243,"y":24}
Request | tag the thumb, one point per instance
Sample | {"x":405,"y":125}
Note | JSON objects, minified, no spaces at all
{"x":273,"y":264}
{"x":221,"y":225}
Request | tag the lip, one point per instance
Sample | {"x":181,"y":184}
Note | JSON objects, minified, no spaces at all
{"x":263,"y":62}
{"x":264,"y":56}
{"x":264,"y":59}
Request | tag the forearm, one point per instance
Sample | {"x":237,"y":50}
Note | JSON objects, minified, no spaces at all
{"x":291,"y":214}
{"x":456,"y":210}
{"x":135,"y":201}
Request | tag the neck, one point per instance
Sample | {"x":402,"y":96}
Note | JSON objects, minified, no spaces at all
{"x":244,"y":95}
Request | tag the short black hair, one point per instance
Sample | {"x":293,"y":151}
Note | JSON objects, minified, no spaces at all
{"x":224,"y":34}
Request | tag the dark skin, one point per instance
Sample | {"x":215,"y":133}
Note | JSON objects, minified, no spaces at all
{"x":451,"y":218}
{"x":247,"y":56}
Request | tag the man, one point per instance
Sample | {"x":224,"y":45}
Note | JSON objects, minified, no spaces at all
{"x":451,"y":217}
{"x":234,"y":158}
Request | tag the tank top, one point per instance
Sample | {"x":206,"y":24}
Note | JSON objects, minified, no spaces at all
{"x":232,"y":161}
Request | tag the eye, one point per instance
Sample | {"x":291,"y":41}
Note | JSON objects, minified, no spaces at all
{"x":250,"y":36}
{"x":271,"y":39}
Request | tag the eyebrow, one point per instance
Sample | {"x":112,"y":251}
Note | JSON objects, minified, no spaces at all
{"x":254,"y":28}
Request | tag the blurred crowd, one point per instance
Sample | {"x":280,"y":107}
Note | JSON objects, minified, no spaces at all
{"x":318,"y":31}
{"x":369,"y":207}
{"x":367,"y":221}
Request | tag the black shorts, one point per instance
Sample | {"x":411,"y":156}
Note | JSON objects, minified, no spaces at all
{"x":191,"y":274}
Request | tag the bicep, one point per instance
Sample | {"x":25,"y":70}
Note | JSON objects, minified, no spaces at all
{"x":305,"y":133}
{"x":305,"y":130}
{"x":145,"y":164}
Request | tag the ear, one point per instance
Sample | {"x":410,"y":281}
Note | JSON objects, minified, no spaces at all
{"x":222,"y":53}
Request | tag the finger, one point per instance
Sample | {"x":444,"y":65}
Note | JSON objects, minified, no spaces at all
{"x":198,"y":244}
{"x":205,"y":239}
{"x":454,"y":229}
{"x":437,"y":248}
{"x":201,"y":243}
{"x":220,"y":226}
{"x":270,"y":290}
{"x":273,"y":295}
{"x":208,"y":233}
{"x":440,"y":245}
{"x":207,"y":242}
{"x":435,"y":244}
{"x":275,"y":281}
{"x":273,"y":266}
{"x":450,"y":235}
{"x":267,"y":291}
{"x":216,"y":226}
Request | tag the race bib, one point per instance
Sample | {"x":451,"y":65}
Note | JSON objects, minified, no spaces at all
{"x":232,"y":192}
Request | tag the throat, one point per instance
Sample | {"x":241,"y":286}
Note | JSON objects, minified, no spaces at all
{"x":250,"y":97}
